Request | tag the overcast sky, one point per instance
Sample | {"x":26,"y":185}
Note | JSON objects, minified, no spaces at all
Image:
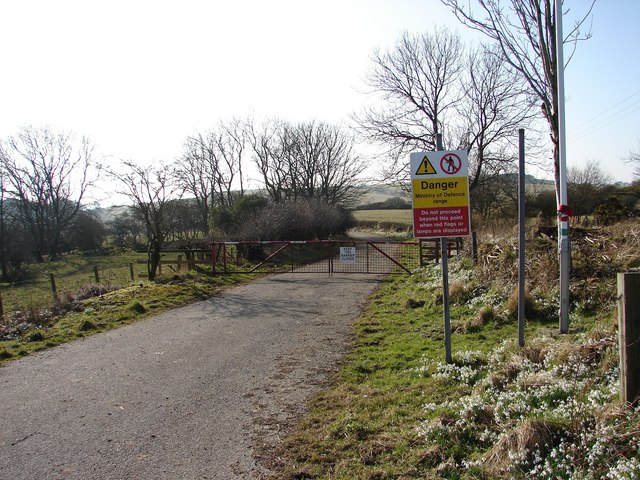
{"x":139,"y":76}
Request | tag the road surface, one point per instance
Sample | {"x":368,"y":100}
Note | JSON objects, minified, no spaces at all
{"x":201,"y":392}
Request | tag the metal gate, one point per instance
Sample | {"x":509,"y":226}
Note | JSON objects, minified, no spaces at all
{"x":323,"y":256}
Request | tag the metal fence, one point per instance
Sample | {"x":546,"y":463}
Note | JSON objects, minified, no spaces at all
{"x":326,"y":256}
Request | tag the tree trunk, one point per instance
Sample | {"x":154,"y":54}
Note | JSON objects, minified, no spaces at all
{"x":155,"y":247}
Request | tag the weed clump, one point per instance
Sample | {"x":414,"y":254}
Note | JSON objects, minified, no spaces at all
{"x":5,"y":354}
{"x":36,"y":336}
{"x":137,"y":307}
{"x":86,"y":326}
{"x":411,"y":303}
{"x":511,"y":306}
{"x":93,"y":290}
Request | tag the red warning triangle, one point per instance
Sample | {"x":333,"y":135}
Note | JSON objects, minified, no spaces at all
{"x":426,"y":168}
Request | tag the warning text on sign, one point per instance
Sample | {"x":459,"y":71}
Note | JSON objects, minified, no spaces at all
{"x":438,"y":193}
{"x":441,"y":222}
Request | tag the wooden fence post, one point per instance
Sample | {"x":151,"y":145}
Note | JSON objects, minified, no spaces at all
{"x":54,"y":290}
{"x":95,"y":272}
{"x":179,"y":262}
{"x":629,"y":336}
{"x":131,"y":271}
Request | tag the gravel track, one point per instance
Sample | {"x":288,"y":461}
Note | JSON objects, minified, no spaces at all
{"x":200,"y":392}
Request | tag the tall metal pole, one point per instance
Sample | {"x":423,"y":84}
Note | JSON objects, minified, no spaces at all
{"x":563,"y":219}
{"x":521,"y":238}
{"x":444,"y":245}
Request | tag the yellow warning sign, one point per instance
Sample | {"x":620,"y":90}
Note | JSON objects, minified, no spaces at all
{"x":440,"y":192}
{"x":426,"y":168}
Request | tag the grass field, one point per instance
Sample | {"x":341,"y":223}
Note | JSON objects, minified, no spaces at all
{"x":388,"y":216}
{"x":70,"y":274}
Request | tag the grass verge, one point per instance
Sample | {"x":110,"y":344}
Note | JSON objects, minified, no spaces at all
{"x":396,"y":410}
{"x":108,"y":310}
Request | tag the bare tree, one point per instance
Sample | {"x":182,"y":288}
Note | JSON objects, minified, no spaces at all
{"x":309,"y":160}
{"x":417,"y":81}
{"x":211,"y":168}
{"x":271,"y":144}
{"x":323,"y":163}
{"x":430,"y":83}
{"x":586,"y":185}
{"x":48,"y":173}
{"x":152,"y":192}
{"x":634,"y":159}
{"x":525,"y":32}
{"x":15,"y":244}
{"x":126,"y":228}
{"x":495,"y":197}
{"x":494,"y":106}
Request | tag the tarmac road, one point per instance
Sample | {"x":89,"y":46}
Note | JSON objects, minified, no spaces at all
{"x":201,"y":392}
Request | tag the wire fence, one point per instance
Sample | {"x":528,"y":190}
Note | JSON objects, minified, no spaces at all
{"x":45,"y":288}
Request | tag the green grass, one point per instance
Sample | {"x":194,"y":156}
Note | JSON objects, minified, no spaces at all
{"x":130,"y":303}
{"x":74,"y":271}
{"x":384,"y":216}
{"x":70,"y":274}
{"x":365,"y":426}
{"x":396,"y":410}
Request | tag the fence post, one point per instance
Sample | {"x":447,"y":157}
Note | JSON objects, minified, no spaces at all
{"x":224,"y":257}
{"x":179,"y":262}
{"x":96,"y":274}
{"x":629,"y":336}
{"x":474,"y":247}
{"x":1,"y":308}
{"x":131,"y":271}
{"x":54,"y":290}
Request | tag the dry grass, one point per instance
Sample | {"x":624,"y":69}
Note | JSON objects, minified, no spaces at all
{"x":518,"y":446}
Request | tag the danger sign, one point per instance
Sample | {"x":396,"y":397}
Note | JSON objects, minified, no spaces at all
{"x":440,"y":192}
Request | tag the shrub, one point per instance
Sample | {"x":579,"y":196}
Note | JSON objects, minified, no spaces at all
{"x":295,"y":220}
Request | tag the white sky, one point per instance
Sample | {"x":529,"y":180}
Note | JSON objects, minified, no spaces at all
{"x":139,"y":76}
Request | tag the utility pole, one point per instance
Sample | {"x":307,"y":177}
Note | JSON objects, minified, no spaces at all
{"x":564,"y":242}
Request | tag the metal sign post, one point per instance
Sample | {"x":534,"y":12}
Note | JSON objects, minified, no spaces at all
{"x":440,"y":192}
{"x":521,"y":237}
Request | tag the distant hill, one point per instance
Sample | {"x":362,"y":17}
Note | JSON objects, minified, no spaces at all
{"x":107,"y":214}
{"x":377,"y":193}
{"x":368,"y":194}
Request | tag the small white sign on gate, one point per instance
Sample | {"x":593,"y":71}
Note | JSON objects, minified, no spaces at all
{"x":348,"y":254}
